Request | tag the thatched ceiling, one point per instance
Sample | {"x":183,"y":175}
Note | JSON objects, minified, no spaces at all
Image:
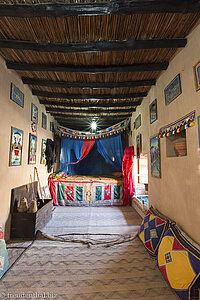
{"x":93,"y":58}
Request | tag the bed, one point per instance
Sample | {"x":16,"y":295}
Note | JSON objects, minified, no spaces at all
{"x":79,"y":190}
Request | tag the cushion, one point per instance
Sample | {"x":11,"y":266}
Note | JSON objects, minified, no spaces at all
{"x":179,"y":262}
{"x":3,"y":254}
{"x":152,"y":230}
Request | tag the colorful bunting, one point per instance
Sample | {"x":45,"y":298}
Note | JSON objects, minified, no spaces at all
{"x":178,"y":126}
{"x":115,"y":129}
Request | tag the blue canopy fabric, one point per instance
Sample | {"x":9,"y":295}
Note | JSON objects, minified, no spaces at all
{"x":71,"y":151}
{"x":111,"y":149}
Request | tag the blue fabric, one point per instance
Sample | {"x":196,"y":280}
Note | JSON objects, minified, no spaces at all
{"x":111,"y":149}
{"x":92,"y":164}
{"x":71,"y":151}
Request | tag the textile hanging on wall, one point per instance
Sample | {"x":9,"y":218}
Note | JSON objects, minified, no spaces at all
{"x":178,"y":126}
{"x":100,"y":134}
{"x":128,"y":176}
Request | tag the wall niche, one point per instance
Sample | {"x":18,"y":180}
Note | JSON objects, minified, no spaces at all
{"x":176,"y":145}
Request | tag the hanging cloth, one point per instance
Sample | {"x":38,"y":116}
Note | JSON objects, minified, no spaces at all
{"x":128,"y":176}
{"x":111,"y":149}
{"x":80,"y":150}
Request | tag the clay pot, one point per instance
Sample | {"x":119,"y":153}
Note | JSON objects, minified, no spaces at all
{"x":33,"y":206}
{"x":180,"y":148}
{"x":23,"y":205}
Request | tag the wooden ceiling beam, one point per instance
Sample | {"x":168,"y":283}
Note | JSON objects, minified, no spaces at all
{"x":131,"y":44}
{"x":98,"y":8}
{"x":110,"y":116}
{"x":88,"y":85}
{"x":87,"y":96}
{"x":89,"y":69}
{"x":90,"y":105}
{"x":89,"y":111}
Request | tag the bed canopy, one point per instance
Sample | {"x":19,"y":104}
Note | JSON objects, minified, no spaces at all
{"x":76,"y":146}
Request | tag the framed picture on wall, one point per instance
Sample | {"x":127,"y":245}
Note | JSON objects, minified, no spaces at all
{"x":173,"y":90}
{"x":44,"y":121}
{"x":198,"y":122}
{"x":138,"y":145}
{"x":16,"y":95}
{"x":137,"y":122}
{"x":196,"y":69}
{"x":32,"y":149}
{"x":16,"y":143}
{"x":155,"y":156}
{"x":34,"y":113}
{"x":153,"y":111}
{"x":43,"y":149}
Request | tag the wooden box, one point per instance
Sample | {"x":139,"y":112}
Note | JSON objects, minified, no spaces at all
{"x":25,"y":225}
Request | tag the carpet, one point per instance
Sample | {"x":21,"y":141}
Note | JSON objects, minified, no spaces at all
{"x":59,"y":270}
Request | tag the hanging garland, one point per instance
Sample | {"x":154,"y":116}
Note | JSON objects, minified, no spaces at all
{"x":74,"y":134}
{"x":178,"y":126}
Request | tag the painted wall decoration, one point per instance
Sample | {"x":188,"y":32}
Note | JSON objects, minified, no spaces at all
{"x":153,"y":111}
{"x":138,"y":122}
{"x":16,"y":95}
{"x":155,"y":156}
{"x":32,"y":149}
{"x":52,"y":126}
{"x":44,"y":121}
{"x":138,"y":145}
{"x":43,"y":149}
{"x":16,"y":143}
{"x":196,"y":69}
{"x":173,"y":90}
{"x":34,"y":113}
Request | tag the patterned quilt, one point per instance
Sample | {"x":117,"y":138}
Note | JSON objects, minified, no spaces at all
{"x":87,"y":190}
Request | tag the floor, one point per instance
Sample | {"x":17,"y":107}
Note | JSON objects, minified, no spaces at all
{"x":99,"y":258}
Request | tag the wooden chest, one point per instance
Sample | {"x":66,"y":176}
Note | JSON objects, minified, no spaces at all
{"x":25,"y":225}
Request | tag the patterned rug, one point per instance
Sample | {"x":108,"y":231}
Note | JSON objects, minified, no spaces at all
{"x":59,"y":270}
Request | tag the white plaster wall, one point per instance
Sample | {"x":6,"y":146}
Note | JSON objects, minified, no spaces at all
{"x":12,"y":114}
{"x":177,"y":193}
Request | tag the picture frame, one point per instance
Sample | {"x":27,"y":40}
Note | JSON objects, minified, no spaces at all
{"x":173,"y":90}
{"x":198,"y":122}
{"x":52,"y":126}
{"x":196,"y":69}
{"x":16,"y":144}
{"x":34,"y":113}
{"x":155,"y":156}
{"x":44,"y":121}
{"x":138,"y":122}
{"x":153,"y":111}
{"x":138,"y":145}
{"x":16,"y":95}
{"x":32,"y":149}
{"x":43,"y":149}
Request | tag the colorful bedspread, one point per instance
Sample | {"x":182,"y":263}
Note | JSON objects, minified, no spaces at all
{"x":78,"y":190}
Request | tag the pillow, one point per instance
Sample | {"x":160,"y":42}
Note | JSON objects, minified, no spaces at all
{"x":152,"y":230}
{"x":179,"y":262}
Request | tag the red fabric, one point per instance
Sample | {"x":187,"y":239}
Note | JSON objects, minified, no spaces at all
{"x":70,"y":193}
{"x":127,"y":171}
{"x":52,"y":188}
{"x":107,"y":192}
{"x":87,"y":146}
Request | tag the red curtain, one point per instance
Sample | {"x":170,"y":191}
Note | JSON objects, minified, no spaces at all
{"x":87,"y":146}
{"x":128,"y":176}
